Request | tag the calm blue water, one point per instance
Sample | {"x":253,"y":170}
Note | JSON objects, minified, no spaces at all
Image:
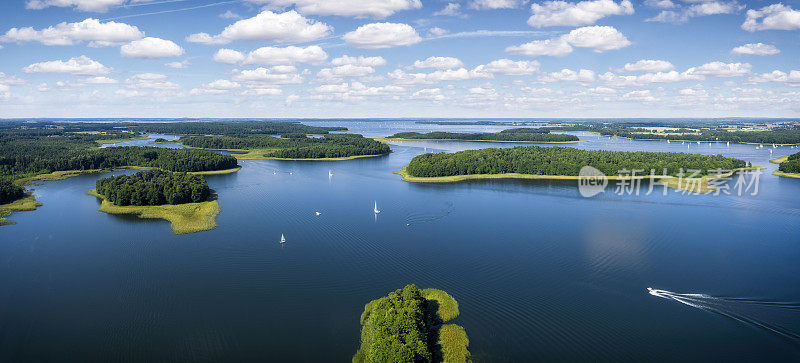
{"x":540,"y":273}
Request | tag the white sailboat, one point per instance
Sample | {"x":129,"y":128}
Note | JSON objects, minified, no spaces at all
{"x":376,"y":210}
{"x":728,"y":144}
{"x":667,"y":141}
{"x":330,"y":173}
{"x":283,"y":239}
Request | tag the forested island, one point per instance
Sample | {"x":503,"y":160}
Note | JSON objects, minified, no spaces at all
{"x":293,"y":146}
{"x":154,"y":187}
{"x":510,"y":135}
{"x":29,"y":152}
{"x":789,"y":166}
{"x":181,"y":198}
{"x":407,"y":326}
{"x":536,"y":162}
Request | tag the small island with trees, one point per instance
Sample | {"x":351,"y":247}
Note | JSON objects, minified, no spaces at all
{"x":184,"y":199}
{"x":292,"y":146}
{"x":537,"y":162}
{"x":408,"y":326}
{"x":55,"y":151}
{"x":789,"y":166}
{"x":534,"y":135}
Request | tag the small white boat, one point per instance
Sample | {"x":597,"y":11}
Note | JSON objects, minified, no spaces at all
{"x":318,"y":212}
{"x":728,"y":144}
{"x":698,"y":143}
{"x":667,"y":141}
{"x":330,"y":173}
{"x":376,"y":210}
{"x":283,"y":239}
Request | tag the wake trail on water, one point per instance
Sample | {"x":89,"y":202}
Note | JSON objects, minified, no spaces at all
{"x":761,"y":314}
{"x":412,"y":218}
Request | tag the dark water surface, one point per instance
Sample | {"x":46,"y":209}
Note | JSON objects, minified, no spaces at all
{"x":540,"y":273}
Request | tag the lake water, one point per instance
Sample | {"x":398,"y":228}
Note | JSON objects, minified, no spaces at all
{"x":540,"y":273}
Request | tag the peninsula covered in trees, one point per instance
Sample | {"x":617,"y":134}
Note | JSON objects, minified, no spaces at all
{"x":562,"y":161}
{"x":510,"y":135}
{"x":293,"y":146}
{"x":406,"y":326}
{"x":789,"y":166}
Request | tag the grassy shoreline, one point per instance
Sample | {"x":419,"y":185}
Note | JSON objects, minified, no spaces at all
{"x":260,"y":154}
{"x":28,"y":203}
{"x":64,"y":174}
{"x":387,"y":139}
{"x":184,"y":218}
{"x":780,"y":173}
{"x":690,"y":184}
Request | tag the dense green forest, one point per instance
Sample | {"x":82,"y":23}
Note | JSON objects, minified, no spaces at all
{"x":791,"y":165}
{"x":154,"y":187}
{"x":406,"y":326}
{"x":10,"y":192}
{"x":520,"y":134}
{"x":539,"y":160}
{"x":28,"y":152}
{"x":296,"y":146}
{"x":230,"y":128}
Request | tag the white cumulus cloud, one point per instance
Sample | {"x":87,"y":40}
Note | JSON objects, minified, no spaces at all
{"x":91,"y":30}
{"x":720,"y":69}
{"x":756,"y":49}
{"x":268,"y":26}
{"x":286,"y":55}
{"x":599,"y":38}
{"x":359,"y":61}
{"x":99,"y":6}
{"x":648,"y":65}
{"x":229,"y":56}
{"x":151,"y":47}
{"x":551,"y":47}
{"x":82,"y":66}
{"x":439,"y":63}
{"x":562,"y":13}
{"x":382,"y":35}
{"x":495,"y":4}
{"x":509,"y":67}
{"x":355,"y":8}
{"x":772,"y":17}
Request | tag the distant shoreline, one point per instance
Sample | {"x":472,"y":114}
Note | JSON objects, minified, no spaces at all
{"x":387,"y":139}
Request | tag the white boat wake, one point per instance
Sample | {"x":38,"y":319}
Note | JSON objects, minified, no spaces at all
{"x":771,"y":316}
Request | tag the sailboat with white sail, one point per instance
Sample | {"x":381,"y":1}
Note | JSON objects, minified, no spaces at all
{"x":376,"y":210}
{"x":283,"y":239}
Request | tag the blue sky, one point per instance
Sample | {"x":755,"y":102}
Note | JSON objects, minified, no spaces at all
{"x":399,"y":58}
